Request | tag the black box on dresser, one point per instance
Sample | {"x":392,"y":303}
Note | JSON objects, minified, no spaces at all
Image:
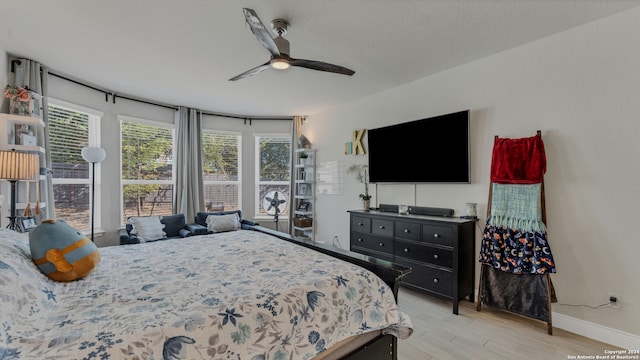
{"x":440,"y":250}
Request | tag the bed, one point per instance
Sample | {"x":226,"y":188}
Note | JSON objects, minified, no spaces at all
{"x":243,"y":294}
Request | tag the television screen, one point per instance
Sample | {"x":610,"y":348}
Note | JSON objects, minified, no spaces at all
{"x":432,"y":150}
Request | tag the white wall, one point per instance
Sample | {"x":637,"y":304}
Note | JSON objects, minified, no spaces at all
{"x":581,"y":88}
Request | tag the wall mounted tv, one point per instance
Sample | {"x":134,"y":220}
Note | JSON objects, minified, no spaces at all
{"x":431,"y":150}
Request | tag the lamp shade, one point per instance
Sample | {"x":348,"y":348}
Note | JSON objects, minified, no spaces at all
{"x":93,"y":154}
{"x":18,"y":166}
{"x":280,"y":64}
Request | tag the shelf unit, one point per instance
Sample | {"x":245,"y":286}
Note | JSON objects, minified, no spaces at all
{"x":303,"y":216}
{"x":8,"y":123}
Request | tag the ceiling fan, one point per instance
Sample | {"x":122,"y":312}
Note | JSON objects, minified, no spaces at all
{"x":279,"y":49}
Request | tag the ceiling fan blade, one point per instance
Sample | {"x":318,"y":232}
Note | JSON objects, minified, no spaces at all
{"x":321,"y":66}
{"x":253,"y":71}
{"x":258,"y":29}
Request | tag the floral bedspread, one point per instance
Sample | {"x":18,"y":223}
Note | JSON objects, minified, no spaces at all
{"x":236,"y":295}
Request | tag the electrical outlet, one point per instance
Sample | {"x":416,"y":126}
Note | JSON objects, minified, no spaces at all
{"x":614,"y":300}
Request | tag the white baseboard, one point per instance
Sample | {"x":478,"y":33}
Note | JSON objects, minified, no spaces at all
{"x":594,"y":331}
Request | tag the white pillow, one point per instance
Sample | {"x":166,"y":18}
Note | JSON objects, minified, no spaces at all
{"x":148,"y":228}
{"x":220,"y":223}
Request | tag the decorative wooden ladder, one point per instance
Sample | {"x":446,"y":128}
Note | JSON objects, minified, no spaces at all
{"x":549,"y":285}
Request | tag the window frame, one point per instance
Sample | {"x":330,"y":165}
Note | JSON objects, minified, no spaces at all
{"x":258,"y":200}
{"x":238,"y":183}
{"x":93,"y":139}
{"x":172,"y":181}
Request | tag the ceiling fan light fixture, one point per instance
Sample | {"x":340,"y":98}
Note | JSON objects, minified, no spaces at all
{"x":278,"y":47}
{"x":280,"y":64}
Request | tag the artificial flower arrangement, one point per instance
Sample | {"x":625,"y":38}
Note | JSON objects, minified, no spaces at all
{"x":15,"y":92}
{"x":20,"y":99}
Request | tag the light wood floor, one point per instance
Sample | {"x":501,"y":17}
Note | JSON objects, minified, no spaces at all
{"x":488,"y":334}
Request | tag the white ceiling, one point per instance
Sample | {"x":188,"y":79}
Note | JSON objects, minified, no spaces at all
{"x":183,"y":52}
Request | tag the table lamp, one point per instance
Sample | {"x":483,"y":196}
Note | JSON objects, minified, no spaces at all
{"x":15,"y":166}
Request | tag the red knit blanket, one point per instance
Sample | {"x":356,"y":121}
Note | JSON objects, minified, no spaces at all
{"x":518,"y":161}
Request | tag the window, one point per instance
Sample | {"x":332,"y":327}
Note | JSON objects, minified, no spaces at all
{"x":71,"y":128}
{"x":221,"y":170}
{"x":273,"y":171}
{"x":147,"y":167}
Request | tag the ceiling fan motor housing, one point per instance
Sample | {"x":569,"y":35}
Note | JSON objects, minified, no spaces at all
{"x":280,"y":26}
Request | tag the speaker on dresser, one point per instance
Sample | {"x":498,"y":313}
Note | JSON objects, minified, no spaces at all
{"x":388,"y":208}
{"x":430,"y":211}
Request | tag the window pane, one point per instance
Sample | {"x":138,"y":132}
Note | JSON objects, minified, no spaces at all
{"x":275,"y":158}
{"x":145,"y":200}
{"x":69,"y":131}
{"x":220,"y":156}
{"x":73,"y":204}
{"x":146,"y":152}
{"x":68,"y":134}
{"x":220,"y":197}
{"x":147,"y":164}
{"x":221,"y":164}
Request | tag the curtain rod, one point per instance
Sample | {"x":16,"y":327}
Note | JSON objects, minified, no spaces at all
{"x":107,"y":93}
{"x":115,"y":95}
{"x":76,"y":82}
{"x":241,"y":117}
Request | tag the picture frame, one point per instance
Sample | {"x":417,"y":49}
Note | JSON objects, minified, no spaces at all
{"x":24,"y":135}
{"x":302,"y":189}
{"x":304,"y":206}
{"x":348,"y":148}
{"x":27,"y":223}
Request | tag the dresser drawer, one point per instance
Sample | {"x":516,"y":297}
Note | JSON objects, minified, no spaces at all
{"x":407,"y":230}
{"x":375,"y":254}
{"x":382,"y":227}
{"x":372,"y":242}
{"x":361,"y":224}
{"x":436,"y":234}
{"x":423,"y":253}
{"x":429,"y":278}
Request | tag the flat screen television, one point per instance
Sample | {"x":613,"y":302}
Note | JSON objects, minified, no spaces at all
{"x":431,"y":150}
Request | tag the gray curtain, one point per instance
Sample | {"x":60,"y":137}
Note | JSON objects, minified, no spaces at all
{"x":298,"y":121}
{"x":33,"y":75}
{"x":189,"y":191}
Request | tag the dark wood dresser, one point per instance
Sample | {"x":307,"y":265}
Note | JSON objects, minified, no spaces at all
{"x":440,"y":250}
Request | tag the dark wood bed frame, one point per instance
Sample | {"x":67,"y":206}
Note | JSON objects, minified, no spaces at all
{"x":389,"y":272}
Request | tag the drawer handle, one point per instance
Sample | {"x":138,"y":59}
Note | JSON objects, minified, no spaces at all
{"x":406,"y":250}
{"x":360,"y":224}
{"x":435,"y":256}
{"x":381,"y":244}
{"x":435,"y":280}
{"x":406,"y":231}
{"x":360,"y":240}
{"x":436,"y":236}
{"x":381,"y":227}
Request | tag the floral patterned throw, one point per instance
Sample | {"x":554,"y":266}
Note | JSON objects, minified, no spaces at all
{"x":234,"y":295}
